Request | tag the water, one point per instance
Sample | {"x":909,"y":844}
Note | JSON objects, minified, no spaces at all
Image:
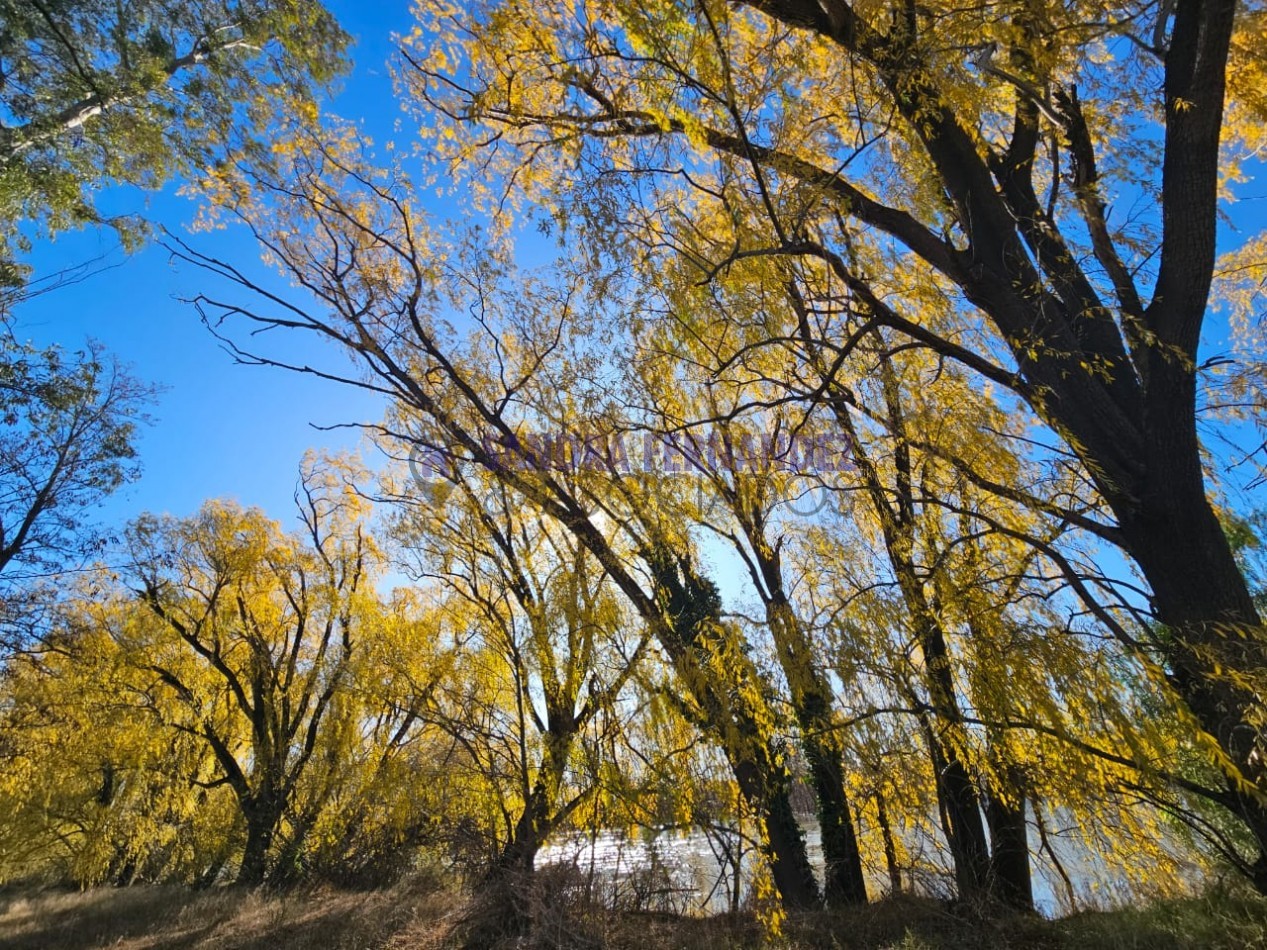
{"x":669,"y":870}
{"x":698,"y":872}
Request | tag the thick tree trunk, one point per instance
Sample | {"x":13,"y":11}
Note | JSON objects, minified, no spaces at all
{"x":960,"y":805}
{"x":519,"y":855}
{"x":843,"y":880}
{"x":259,"y":838}
{"x":505,"y":908}
{"x":541,"y":812}
{"x":261,"y":825}
{"x":1200,"y":595}
{"x":507,"y":886}
{"x":767,"y":788}
{"x":1010,"y":877}
{"x":734,"y":715}
{"x":1213,"y":629}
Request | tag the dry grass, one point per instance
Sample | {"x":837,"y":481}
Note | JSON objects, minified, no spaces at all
{"x":166,"y":918}
{"x":423,"y":916}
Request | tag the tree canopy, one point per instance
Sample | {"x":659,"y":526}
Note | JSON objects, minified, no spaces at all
{"x":852,"y":455}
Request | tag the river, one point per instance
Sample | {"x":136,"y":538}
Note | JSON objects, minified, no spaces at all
{"x":693,"y":872}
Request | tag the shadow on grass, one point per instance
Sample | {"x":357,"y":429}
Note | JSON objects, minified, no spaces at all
{"x":167,"y":918}
{"x":1221,"y":920}
{"x":428,"y":917}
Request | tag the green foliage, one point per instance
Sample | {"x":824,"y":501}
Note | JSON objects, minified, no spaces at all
{"x":68,"y":426}
{"x":95,"y":93}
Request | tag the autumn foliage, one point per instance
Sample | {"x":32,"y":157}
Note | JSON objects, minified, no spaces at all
{"x":841,"y":465}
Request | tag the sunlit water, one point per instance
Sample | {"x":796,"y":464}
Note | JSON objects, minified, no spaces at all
{"x":688,"y":871}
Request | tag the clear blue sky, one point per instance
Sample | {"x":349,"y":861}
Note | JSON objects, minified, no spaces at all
{"x":221,"y":430}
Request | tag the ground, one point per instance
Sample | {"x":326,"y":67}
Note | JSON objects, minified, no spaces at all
{"x":420,"y":915}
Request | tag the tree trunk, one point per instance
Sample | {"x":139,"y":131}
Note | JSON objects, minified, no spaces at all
{"x":960,"y":804}
{"x":896,"y":508}
{"x":1212,"y":627}
{"x":890,"y":846}
{"x":519,"y":855}
{"x":255,"y":856}
{"x":735,"y":714}
{"x":957,"y":791}
{"x":1010,"y":876}
{"x":843,"y":879}
{"x":506,"y":904}
{"x":767,"y":790}
{"x":1201,"y":597}
{"x":261,"y":825}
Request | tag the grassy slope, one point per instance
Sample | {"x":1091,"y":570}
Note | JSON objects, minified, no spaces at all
{"x":413,"y":917}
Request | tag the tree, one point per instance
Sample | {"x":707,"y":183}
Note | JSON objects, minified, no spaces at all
{"x":66,"y":442}
{"x":746,"y":466}
{"x":478,"y":414}
{"x":94,"y":93}
{"x":236,"y":697}
{"x":252,"y":633}
{"x":546,"y":632}
{"x":478,"y":391}
{"x":947,"y":173}
{"x":966,"y":568}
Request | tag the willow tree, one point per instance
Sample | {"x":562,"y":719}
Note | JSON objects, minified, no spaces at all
{"x":250,"y":702}
{"x":742,"y":373}
{"x":954,"y":167}
{"x":92,"y":793}
{"x":537,"y":686}
{"x":248,"y":636}
{"x":747,"y":465}
{"x":924,"y":541}
{"x":383,"y":285}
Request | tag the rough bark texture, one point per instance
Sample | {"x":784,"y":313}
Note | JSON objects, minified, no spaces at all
{"x":262,"y":816}
{"x":811,"y":695}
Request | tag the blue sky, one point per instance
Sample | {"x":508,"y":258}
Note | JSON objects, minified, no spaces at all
{"x":221,"y":430}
